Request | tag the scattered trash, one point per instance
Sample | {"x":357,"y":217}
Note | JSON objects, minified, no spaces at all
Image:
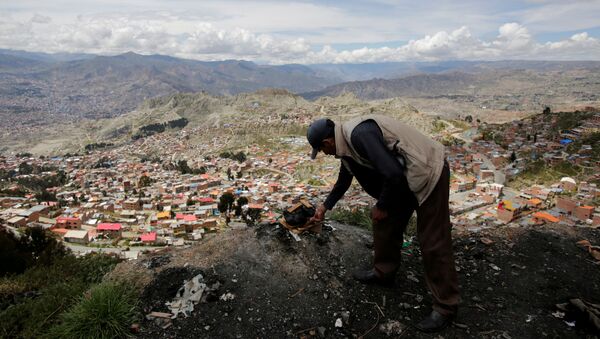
{"x":486,"y":241}
{"x":338,"y":322}
{"x":392,"y":328}
{"x":161,"y":319}
{"x":529,"y":318}
{"x":153,"y":315}
{"x":191,"y":293}
{"x":227,"y":296}
{"x":295,"y":236}
{"x":558,"y":314}
{"x":582,"y":312}
{"x":494,"y":267}
{"x":594,"y":251}
{"x":411,"y":276}
{"x":157,"y":261}
{"x":461,"y":326}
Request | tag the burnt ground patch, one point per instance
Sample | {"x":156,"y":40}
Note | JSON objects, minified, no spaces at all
{"x":289,"y":289}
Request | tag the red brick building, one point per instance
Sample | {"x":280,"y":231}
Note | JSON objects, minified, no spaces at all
{"x":566,"y":204}
{"x":583,"y":212}
{"x":68,"y":223}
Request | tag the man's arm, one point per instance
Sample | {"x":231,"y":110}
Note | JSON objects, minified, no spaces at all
{"x":339,"y":189}
{"x":368,"y":142}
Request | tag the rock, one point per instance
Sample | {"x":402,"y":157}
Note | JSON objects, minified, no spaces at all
{"x":338,"y":322}
{"x":392,"y":328}
{"x":346,"y":317}
{"x":134,"y":328}
{"x":405,"y":306}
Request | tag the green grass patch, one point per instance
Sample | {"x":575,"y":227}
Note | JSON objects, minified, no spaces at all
{"x":539,"y":173}
{"x":438,"y":126}
{"x":360,"y":217}
{"x":569,"y":120}
{"x":463,"y":125}
{"x":592,"y":139}
{"x":32,"y":302}
{"x":107,"y":311}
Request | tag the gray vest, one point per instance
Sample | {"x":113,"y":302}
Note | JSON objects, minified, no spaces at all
{"x":423,"y":157}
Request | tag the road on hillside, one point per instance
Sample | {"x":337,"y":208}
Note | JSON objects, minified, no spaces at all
{"x":467,"y":137}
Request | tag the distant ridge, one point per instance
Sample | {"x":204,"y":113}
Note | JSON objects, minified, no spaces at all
{"x":106,"y":86}
{"x":571,"y":80}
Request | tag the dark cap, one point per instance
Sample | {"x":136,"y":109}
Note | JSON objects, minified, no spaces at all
{"x":317,"y":132}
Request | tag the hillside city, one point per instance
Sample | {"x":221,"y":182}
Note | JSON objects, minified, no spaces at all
{"x":165,"y":190}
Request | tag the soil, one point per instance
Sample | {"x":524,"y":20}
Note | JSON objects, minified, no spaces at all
{"x":288,"y":289}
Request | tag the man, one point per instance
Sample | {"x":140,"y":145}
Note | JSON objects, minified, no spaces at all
{"x":405,"y":171}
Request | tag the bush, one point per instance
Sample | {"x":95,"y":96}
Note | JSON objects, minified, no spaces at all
{"x":34,"y":247}
{"x":30,"y":303}
{"x":106,"y":312}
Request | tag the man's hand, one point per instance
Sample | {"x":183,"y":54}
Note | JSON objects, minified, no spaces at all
{"x":319,"y":214}
{"x":378,"y":214}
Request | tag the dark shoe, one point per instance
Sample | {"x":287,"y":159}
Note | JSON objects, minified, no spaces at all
{"x":434,"y":322}
{"x":372,"y":277}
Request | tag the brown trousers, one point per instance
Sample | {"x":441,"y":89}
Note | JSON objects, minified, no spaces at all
{"x":435,"y":239}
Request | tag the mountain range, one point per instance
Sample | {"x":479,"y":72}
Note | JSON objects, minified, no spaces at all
{"x":39,"y":87}
{"x":104,"y":86}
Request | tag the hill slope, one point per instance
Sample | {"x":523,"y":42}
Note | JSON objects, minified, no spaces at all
{"x":287,"y":289}
{"x":249,"y":117}
{"x":485,"y":90}
{"x":106,"y":86}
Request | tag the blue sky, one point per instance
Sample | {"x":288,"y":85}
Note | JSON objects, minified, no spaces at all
{"x":308,"y":31}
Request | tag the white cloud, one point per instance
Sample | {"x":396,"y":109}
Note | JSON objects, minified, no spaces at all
{"x":169,"y":34}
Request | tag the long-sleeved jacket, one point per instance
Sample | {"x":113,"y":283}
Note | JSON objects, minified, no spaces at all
{"x":385,"y":182}
{"x":388,"y":158}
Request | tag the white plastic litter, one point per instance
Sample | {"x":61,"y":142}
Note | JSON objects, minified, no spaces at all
{"x":227,"y":296}
{"x":187,"y":296}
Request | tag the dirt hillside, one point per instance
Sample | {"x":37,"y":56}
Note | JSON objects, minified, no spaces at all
{"x":272,"y":286}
